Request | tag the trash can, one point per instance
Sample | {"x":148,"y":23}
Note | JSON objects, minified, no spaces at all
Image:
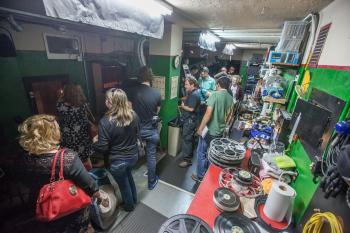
{"x":174,"y":137}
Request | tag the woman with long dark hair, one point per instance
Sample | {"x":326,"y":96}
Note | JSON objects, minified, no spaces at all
{"x":72,"y":110}
{"x":117,"y":139}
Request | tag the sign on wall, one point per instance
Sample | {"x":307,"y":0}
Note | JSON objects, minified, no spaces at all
{"x":174,"y":88}
{"x":158,"y":83}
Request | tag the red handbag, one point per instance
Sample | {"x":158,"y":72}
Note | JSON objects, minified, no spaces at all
{"x":59,"y":198}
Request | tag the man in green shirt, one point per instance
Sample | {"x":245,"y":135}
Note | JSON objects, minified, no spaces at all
{"x":218,"y":111}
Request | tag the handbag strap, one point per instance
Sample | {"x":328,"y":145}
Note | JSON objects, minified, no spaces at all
{"x":52,"y":179}
{"x":53,"y":169}
{"x":61,"y":165}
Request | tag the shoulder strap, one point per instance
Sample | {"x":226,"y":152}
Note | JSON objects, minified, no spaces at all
{"x":61,"y":165}
{"x":52,"y":179}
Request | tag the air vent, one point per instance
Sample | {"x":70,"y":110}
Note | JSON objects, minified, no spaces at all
{"x":62,"y":47}
{"x":321,"y":40}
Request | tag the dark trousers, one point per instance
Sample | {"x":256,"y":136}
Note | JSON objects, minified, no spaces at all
{"x":188,"y":131}
{"x":201,"y":111}
{"x":121,"y":172}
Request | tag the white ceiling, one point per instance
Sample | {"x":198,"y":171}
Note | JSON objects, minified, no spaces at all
{"x":245,"y":14}
{"x":244,"y":21}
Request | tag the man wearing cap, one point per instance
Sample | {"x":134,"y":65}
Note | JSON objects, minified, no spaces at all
{"x":206,"y":84}
{"x":215,"y":118}
{"x":206,"y":87}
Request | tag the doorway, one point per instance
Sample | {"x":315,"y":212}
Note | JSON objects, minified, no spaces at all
{"x":44,"y":91}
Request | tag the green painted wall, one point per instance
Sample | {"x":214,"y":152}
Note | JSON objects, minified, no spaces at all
{"x":332,"y":81}
{"x":35,"y":63}
{"x":14,"y":101}
{"x":336,"y":83}
{"x":163,"y":66}
{"x":303,"y":185}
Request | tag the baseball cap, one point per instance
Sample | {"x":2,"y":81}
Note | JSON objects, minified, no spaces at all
{"x":205,"y":69}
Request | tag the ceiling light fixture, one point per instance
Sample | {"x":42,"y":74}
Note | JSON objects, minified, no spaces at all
{"x":207,"y":41}
{"x":229,"y":49}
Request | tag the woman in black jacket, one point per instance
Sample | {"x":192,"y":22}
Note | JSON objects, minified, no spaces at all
{"x":40,"y":138}
{"x":117,"y":139}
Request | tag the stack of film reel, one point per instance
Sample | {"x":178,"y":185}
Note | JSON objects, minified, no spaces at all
{"x":226,"y":200}
{"x":235,"y":183}
{"x":225,"y":152}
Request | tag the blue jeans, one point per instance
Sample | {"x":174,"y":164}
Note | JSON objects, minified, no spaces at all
{"x":121,"y":172}
{"x":151,"y":136}
{"x":202,"y":154}
{"x":202,"y":160}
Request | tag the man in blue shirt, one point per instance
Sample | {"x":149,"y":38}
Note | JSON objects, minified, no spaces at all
{"x":206,"y":84}
{"x":206,"y":87}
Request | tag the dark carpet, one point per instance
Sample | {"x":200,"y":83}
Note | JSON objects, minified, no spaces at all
{"x":171,"y":173}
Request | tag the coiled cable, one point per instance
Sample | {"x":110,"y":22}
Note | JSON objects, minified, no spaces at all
{"x":317,"y":220}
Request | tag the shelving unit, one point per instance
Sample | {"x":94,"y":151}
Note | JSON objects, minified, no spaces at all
{"x":285,"y":65}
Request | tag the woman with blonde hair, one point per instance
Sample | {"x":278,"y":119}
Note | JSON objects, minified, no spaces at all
{"x":40,"y":138}
{"x":117,"y":139}
{"x":72,"y":110}
{"x":236,"y":87}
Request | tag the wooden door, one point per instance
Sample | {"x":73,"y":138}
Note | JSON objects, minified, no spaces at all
{"x":43,"y":92}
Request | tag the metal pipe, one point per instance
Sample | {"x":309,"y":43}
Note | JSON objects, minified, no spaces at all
{"x":307,"y":17}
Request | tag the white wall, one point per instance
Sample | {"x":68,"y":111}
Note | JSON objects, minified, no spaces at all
{"x":336,"y":50}
{"x":31,"y":39}
{"x":170,"y":44}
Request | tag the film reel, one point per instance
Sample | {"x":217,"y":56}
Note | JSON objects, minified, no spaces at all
{"x":226,"y":200}
{"x":228,"y":178}
{"x":185,"y":223}
{"x":234,"y":223}
{"x":225,"y":152}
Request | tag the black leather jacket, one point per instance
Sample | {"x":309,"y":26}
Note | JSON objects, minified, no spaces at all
{"x":117,"y":142}
{"x":37,"y":170}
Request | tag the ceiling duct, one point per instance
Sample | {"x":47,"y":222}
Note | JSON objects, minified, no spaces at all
{"x":249,"y":35}
{"x":143,"y":17}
